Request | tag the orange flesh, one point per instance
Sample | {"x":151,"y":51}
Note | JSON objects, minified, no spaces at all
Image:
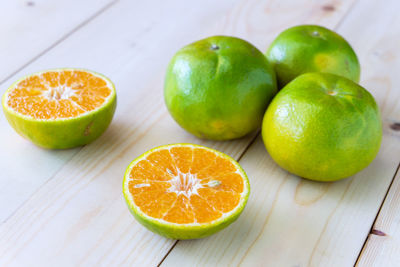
{"x":185,"y":185}
{"x":58,"y":94}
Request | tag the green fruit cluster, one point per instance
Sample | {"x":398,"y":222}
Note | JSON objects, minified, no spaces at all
{"x":321,"y":125}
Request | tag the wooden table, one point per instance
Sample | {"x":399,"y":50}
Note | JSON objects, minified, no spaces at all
{"x":65,"y":208}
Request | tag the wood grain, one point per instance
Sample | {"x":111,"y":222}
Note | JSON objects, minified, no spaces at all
{"x":294,"y":222}
{"x":382,"y":247}
{"x":29,"y":28}
{"x":87,"y":189}
{"x":79,"y":215}
{"x":128,"y":47}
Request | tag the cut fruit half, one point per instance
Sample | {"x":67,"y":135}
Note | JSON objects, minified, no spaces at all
{"x":185,"y":191}
{"x":60,"y":108}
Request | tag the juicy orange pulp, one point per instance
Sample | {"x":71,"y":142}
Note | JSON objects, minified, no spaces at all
{"x":58,"y":94}
{"x":185,"y":185}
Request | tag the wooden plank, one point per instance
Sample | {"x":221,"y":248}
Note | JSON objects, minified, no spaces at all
{"x":383,"y":244}
{"x":28,"y":28}
{"x":131,"y":51}
{"x":294,"y":222}
{"x":84,"y":198}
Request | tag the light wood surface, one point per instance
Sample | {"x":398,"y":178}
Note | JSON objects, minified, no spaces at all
{"x":130,"y":54}
{"x":30,"y":28}
{"x":293,"y":222}
{"x":383,"y":245}
{"x":65,"y":208}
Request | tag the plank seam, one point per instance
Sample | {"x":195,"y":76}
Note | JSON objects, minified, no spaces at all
{"x":249,"y":145}
{"x":75,"y":29}
{"x":372,"y":231}
{"x":169,"y":251}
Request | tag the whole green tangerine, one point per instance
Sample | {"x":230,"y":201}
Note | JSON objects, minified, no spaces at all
{"x":312,"y":48}
{"x":219,"y":88}
{"x":322,"y":127}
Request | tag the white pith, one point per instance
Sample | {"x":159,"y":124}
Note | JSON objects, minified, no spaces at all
{"x":185,"y":184}
{"x":193,"y":182}
{"x":58,"y":93}
{"x":61,"y":92}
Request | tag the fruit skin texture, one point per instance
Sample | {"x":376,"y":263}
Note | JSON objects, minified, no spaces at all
{"x":219,"y":88}
{"x":312,"y":48}
{"x":322,"y":127}
{"x":177,"y":231}
{"x":62,"y":133}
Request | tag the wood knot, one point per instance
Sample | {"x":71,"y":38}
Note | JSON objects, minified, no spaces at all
{"x":377,"y":232}
{"x":395,"y":126}
{"x":309,"y":192}
{"x":328,"y":8}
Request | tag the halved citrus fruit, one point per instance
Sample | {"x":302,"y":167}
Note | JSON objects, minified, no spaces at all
{"x":60,"y":108}
{"x":185,"y":191}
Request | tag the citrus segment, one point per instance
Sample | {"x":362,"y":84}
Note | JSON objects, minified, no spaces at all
{"x":183,"y":157}
{"x":201,"y":159}
{"x":227,"y":182}
{"x":203,"y":210}
{"x":144,"y":170}
{"x":60,"y":108}
{"x":180,"y":212}
{"x":187,"y":186}
{"x":163,"y":160}
{"x":58,"y":94}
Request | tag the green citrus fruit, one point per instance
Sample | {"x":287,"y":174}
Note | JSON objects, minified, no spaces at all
{"x":322,"y":127}
{"x":185,"y":191}
{"x":312,"y":48}
{"x":219,"y":88}
{"x":60,"y":108}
